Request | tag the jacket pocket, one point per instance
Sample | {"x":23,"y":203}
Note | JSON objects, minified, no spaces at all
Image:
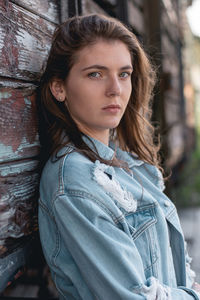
{"x":141,"y":225}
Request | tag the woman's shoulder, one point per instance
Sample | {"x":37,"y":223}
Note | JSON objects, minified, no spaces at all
{"x":75,"y":176}
{"x":61,"y":169}
{"x":73,"y":168}
{"x":68,"y":161}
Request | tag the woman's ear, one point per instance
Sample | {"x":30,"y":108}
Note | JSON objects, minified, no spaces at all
{"x":57,"y":90}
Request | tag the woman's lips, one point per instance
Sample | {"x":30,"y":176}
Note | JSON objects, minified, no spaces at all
{"x":113,"y":108}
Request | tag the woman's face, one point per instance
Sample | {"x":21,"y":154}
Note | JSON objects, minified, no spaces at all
{"x":98,"y":87}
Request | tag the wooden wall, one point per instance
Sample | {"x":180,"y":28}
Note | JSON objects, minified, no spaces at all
{"x":165,"y":41}
{"x":25,"y":36}
{"x":173,"y":98}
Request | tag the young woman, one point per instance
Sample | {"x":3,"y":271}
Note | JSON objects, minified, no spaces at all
{"x":107,"y":229}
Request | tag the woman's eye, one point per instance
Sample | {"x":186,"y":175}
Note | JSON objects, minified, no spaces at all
{"x":124,"y":74}
{"x":94,"y":75}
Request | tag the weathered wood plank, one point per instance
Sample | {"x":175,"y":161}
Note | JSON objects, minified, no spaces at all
{"x":169,"y":49}
{"x":90,"y":7}
{"x":24,"y":42}
{"x":64,"y":12}
{"x":169,"y":8}
{"x":47,"y":9}
{"x":18,"y":203}
{"x":18,"y":121}
{"x":136,"y":18}
{"x":170,"y":28}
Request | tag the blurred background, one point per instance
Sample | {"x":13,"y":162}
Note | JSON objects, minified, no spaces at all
{"x":169,"y":31}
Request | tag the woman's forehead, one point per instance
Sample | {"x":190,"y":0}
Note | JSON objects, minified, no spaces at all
{"x":103,"y":51}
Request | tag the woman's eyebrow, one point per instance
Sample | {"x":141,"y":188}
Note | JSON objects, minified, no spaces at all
{"x":126,"y":67}
{"x":105,"y":68}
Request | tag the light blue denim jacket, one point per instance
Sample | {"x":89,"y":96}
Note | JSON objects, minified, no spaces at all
{"x":109,"y":234}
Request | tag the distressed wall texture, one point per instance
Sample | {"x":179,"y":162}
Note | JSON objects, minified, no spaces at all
{"x":25,"y":36}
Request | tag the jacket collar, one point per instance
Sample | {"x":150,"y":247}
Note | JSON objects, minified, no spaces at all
{"x":131,"y":159}
{"x":107,"y":152}
{"x":103,"y":150}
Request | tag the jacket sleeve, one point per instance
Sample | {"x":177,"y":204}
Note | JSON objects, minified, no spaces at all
{"x":106,"y":256}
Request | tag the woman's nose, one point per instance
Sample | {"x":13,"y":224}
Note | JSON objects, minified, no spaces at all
{"x":113,"y":88}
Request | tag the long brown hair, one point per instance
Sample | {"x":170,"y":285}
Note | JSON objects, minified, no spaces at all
{"x":134,"y":132}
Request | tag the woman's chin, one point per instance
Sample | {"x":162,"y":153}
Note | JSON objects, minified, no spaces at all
{"x":113,"y":125}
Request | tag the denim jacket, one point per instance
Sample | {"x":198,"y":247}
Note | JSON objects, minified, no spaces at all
{"x":110,"y":234}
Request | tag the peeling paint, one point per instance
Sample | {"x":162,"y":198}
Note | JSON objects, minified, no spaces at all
{"x":24,"y":41}
{"x":10,"y":49}
{"x":27,"y":87}
{"x":27,"y":101}
{"x":29,"y":57}
{"x":18,"y":204}
{"x":15,"y":169}
{"x":48,"y":8}
{"x":5,"y":149}
{"x":4,"y":95}
{"x":18,"y":121}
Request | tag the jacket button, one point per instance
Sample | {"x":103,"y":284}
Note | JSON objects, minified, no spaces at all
{"x":167,"y":203}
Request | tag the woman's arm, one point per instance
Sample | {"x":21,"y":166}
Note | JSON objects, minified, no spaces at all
{"x":106,"y":256}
